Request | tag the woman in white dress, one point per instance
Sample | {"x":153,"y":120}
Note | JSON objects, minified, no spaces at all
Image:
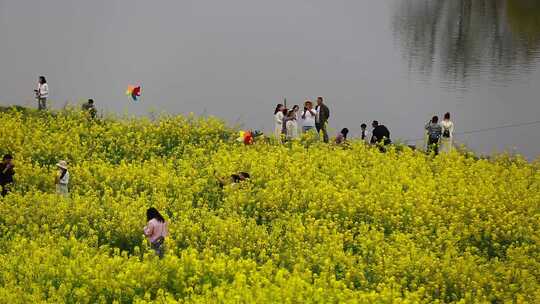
{"x":447,"y":138}
{"x":278,"y":121}
{"x":292,"y":125}
{"x":296,"y":110}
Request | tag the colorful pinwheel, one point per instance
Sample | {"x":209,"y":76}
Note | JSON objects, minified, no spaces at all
{"x":134,"y":92}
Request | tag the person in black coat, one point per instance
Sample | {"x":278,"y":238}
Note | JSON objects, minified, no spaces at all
{"x":380,"y":135}
{"x":6,"y":173}
{"x":321,"y":120}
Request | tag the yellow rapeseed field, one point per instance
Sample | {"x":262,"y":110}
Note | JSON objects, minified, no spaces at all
{"x":316,"y":223}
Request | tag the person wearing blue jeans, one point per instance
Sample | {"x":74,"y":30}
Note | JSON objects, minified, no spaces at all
{"x":308,"y":117}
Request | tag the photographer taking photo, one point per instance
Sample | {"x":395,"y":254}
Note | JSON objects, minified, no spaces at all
{"x":42,"y":93}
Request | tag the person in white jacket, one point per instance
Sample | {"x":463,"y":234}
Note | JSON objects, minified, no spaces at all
{"x":278,"y":121}
{"x":62,"y":178}
{"x":447,"y":138}
{"x":42,"y":93}
{"x":292,"y":125}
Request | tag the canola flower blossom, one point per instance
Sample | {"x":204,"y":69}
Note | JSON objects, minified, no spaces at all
{"x":316,"y":223}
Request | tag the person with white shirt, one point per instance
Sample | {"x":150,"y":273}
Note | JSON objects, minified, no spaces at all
{"x":292,"y":125}
{"x":364,"y":134}
{"x":42,"y":93}
{"x":308,"y":117}
{"x":278,"y":121}
{"x":447,"y":139}
{"x":62,"y":178}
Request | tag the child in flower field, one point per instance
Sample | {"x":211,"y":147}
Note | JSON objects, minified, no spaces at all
{"x":62,"y":178}
{"x":156,"y":230}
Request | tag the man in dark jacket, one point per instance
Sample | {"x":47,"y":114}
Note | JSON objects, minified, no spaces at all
{"x":321,"y":119}
{"x":90,"y":108}
{"x":6,"y":173}
{"x":380,"y":134}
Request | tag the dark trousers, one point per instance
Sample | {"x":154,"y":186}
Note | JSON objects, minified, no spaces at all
{"x":322,"y":127}
{"x":5,"y":189}
{"x":433,"y":145}
{"x":159,"y":246}
{"x":42,"y":103}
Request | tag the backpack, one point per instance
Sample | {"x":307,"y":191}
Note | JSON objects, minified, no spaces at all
{"x":446,"y":133}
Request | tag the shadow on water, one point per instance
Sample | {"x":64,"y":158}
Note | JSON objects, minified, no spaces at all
{"x":464,"y":39}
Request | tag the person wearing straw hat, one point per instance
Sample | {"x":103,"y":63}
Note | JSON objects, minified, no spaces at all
{"x":62,"y":178}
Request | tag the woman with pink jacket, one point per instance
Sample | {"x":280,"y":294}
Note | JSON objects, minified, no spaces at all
{"x":156,"y":231}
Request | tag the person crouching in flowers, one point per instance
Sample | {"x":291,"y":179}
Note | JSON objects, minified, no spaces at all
{"x":234,"y":179}
{"x":342,"y":136}
{"x":62,"y":178}
{"x":156,"y":231}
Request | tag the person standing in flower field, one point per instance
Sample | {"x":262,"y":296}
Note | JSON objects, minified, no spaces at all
{"x":434,"y":131}
{"x":292,"y":125}
{"x":278,"y":121}
{"x":62,"y":178}
{"x":90,"y":108}
{"x":447,"y":140}
{"x":156,"y":231}
{"x":308,"y":117}
{"x":6,"y":173}
{"x":321,"y":118}
{"x":42,"y":93}
{"x":363,"y":135}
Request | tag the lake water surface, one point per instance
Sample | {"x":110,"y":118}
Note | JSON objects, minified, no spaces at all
{"x":397,"y":61}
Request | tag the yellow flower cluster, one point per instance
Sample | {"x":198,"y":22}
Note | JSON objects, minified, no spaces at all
{"x":316,"y":223}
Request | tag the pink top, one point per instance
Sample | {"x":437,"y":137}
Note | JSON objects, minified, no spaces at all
{"x":340,"y":139}
{"x":154,"y":229}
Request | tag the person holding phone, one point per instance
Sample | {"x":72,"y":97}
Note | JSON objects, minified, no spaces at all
{"x":42,"y":93}
{"x":278,"y":121}
{"x":308,"y":117}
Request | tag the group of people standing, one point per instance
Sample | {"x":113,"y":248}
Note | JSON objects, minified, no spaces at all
{"x":288,"y":123}
{"x":42,"y":93}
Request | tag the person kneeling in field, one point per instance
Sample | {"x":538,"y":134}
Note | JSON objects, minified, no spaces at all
{"x":234,"y":179}
{"x":342,"y":136}
{"x":156,"y":231}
